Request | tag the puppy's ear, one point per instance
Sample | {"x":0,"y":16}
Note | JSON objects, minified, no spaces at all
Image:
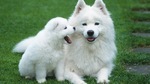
{"x":52,"y":24}
{"x":101,"y":6}
{"x":80,"y":5}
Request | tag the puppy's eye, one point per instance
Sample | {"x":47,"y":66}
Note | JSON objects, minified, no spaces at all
{"x":65,"y":28}
{"x":84,"y":24}
{"x":96,"y":23}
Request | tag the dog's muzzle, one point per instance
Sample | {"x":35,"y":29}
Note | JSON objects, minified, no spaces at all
{"x":67,"y":38}
{"x":90,"y":37}
{"x":90,"y":33}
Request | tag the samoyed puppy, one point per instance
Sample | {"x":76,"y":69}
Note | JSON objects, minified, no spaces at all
{"x":46,"y":49}
{"x":93,"y":49}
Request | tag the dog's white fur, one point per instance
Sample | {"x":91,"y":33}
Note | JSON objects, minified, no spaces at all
{"x":90,"y":55}
{"x":45,"y":51}
{"x":22,"y":46}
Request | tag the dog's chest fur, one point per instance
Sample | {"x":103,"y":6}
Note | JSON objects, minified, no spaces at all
{"x":87,"y":60}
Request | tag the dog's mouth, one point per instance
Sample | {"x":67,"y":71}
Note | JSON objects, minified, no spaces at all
{"x":67,"y":39}
{"x":90,"y":39}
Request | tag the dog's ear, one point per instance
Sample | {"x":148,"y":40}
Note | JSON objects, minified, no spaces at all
{"x":52,"y":24}
{"x":101,"y":5}
{"x":80,"y":5}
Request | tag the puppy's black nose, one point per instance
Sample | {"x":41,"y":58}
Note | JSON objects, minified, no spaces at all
{"x":74,"y":28}
{"x":90,"y":32}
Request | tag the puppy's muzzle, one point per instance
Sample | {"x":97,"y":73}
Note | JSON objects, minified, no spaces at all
{"x":74,"y":28}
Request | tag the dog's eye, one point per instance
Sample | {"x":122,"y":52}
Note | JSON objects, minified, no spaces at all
{"x":65,"y":28}
{"x":84,"y":24}
{"x":96,"y":23}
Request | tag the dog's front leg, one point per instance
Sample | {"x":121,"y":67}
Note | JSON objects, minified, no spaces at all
{"x":40,"y":73}
{"x":102,"y":76}
{"x":59,"y":71}
{"x":73,"y":77}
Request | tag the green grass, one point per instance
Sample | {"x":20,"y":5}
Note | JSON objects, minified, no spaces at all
{"x":20,"y":19}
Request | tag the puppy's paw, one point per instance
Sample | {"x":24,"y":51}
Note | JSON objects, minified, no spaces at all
{"x":81,"y":82}
{"x":60,"y":79}
{"x":103,"y":81}
{"x":41,"y":80}
{"x":28,"y":77}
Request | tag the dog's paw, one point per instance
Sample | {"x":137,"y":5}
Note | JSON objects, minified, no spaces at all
{"x":41,"y":80}
{"x":103,"y":81}
{"x":81,"y":82}
{"x":28,"y":77}
{"x":60,"y":79}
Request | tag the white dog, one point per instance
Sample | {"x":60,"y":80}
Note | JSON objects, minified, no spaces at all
{"x":45,"y":51}
{"x":93,"y":49}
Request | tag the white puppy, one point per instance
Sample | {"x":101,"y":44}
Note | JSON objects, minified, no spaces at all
{"x":43,"y":54}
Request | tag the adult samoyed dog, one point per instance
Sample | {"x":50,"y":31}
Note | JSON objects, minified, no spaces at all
{"x":42,"y":55}
{"x":93,"y":49}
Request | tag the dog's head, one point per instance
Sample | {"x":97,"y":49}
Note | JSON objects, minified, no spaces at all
{"x":91,"y":21}
{"x":60,"y":27}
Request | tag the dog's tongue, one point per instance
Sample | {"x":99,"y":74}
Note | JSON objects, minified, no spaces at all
{"x":67,"y":39}
{"x":90,"y":39}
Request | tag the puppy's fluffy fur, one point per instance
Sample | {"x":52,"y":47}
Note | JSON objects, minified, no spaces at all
{"x":46,"y":49}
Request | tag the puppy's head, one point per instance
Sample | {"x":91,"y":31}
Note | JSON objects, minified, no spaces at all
{"x":56,"y":24}
{"x":60,"y":26}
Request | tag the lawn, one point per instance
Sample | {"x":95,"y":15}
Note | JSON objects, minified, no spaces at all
{"x":22,"y":18}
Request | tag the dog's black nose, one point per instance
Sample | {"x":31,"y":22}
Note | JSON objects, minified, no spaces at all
{"x":74,"y":28}
{"x":90,"y":32}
